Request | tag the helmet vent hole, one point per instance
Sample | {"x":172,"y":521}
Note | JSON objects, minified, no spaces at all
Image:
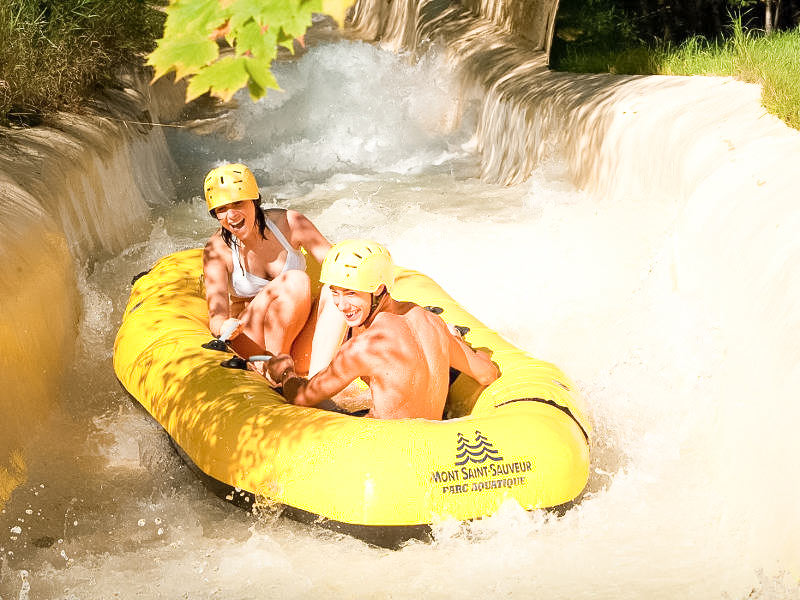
{"x":357,"y":255}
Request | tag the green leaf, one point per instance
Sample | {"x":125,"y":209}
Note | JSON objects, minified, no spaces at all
{"x":297,"y":20}
{"x":261,"y":78}
{"x":274,"y":12}
{"x":222,"y":79}
{"x":285,"y":40}
{"x":244,"y":10}
{"x":254,"y":28}
{"x":184,"y":54}
{"x":195,"y":16}
{"x":250,"y":38}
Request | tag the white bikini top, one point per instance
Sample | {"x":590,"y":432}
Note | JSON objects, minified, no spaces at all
{"x":247,"y":285}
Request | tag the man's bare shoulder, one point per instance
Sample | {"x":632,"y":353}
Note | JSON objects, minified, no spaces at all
{"x":418,"y":316}
{"x":387,"y":337}
{"x":365,"y":353}
{"x":384,"y":327}
{"x":405,"y":330}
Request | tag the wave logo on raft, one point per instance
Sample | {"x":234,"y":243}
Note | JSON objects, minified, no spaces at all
{"x":488,"y":469}
{"x":479,"y":452}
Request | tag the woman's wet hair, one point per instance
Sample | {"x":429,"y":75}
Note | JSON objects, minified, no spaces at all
{"x":261,"y":223}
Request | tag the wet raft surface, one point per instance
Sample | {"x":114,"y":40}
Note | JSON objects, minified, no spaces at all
{"x":521,"y":437}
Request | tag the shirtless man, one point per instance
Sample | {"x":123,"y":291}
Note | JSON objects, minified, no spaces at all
{"x":402,"y":351}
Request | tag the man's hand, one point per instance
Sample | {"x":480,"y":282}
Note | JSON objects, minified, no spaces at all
{"x":279,"y":367}
{"x":281,"y":371}
{"x":453,"y":331}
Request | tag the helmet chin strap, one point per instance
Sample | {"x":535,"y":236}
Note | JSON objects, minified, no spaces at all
{"x":374,"y":301}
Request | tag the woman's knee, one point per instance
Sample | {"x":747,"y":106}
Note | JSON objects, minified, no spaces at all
{"x":289,"y":296}
{"x":294,"y":286}
{"x":294,"y":281}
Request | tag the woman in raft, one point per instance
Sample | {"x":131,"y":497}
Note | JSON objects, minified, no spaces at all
{"x":255,"y":272}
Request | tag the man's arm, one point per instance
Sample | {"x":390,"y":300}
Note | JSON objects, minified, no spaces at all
{"x":345,"y":368}
{"x":475,"y":363}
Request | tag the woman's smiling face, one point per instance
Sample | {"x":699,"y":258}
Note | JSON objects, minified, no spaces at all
{"x":237,"y":217}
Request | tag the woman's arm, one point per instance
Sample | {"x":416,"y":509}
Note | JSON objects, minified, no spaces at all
{"x":304,"y":233}
{"x":215,"y":276}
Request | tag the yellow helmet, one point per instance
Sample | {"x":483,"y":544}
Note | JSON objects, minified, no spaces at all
{"x":229,"y":183}
{"x":360,"y":265}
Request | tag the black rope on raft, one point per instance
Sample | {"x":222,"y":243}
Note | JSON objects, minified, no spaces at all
{"x":552,"y":403}
{"x":138,"y":276}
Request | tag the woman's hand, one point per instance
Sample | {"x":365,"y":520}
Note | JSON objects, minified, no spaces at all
{"x":215,"y":324}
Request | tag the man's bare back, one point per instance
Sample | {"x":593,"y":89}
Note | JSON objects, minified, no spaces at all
{"x":404,"y":365}
{"x":404,"y":354}
{"x":402,"y":351}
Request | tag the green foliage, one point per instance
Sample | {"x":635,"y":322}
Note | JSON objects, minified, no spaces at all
{"x":52,"y":53}
{"x":638,"y":60}
{"x":772,"y":61}
{"x":591,"y":27}
{"x":250,"y":32}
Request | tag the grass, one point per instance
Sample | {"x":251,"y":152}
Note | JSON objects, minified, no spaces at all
{"x":53,"y":53}
{"x":772,"y":61}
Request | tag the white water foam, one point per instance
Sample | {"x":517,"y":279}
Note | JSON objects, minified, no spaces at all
{"x":343,"y":108}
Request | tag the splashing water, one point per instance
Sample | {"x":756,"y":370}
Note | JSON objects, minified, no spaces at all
{"x":692,"y":492}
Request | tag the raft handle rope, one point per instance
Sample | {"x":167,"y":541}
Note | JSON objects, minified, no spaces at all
{"x":438,"y":310}
{"x":229,"y":328}
{"x":219,"y":345}
{"x":138,"y":276}
{"x":216,"y":344}
{"x":234,"y":362}
{"x":237,"y":362}
{"x":462,"y":329}
{"x":552,"y":403}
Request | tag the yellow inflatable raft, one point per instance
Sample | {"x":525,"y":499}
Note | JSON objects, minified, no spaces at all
{"x":524,"y":437}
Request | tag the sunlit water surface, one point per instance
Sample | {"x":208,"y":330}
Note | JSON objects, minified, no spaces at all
{"x":693,"y":490}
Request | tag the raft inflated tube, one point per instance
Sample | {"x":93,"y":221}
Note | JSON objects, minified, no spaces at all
{"x":524,"y":437}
